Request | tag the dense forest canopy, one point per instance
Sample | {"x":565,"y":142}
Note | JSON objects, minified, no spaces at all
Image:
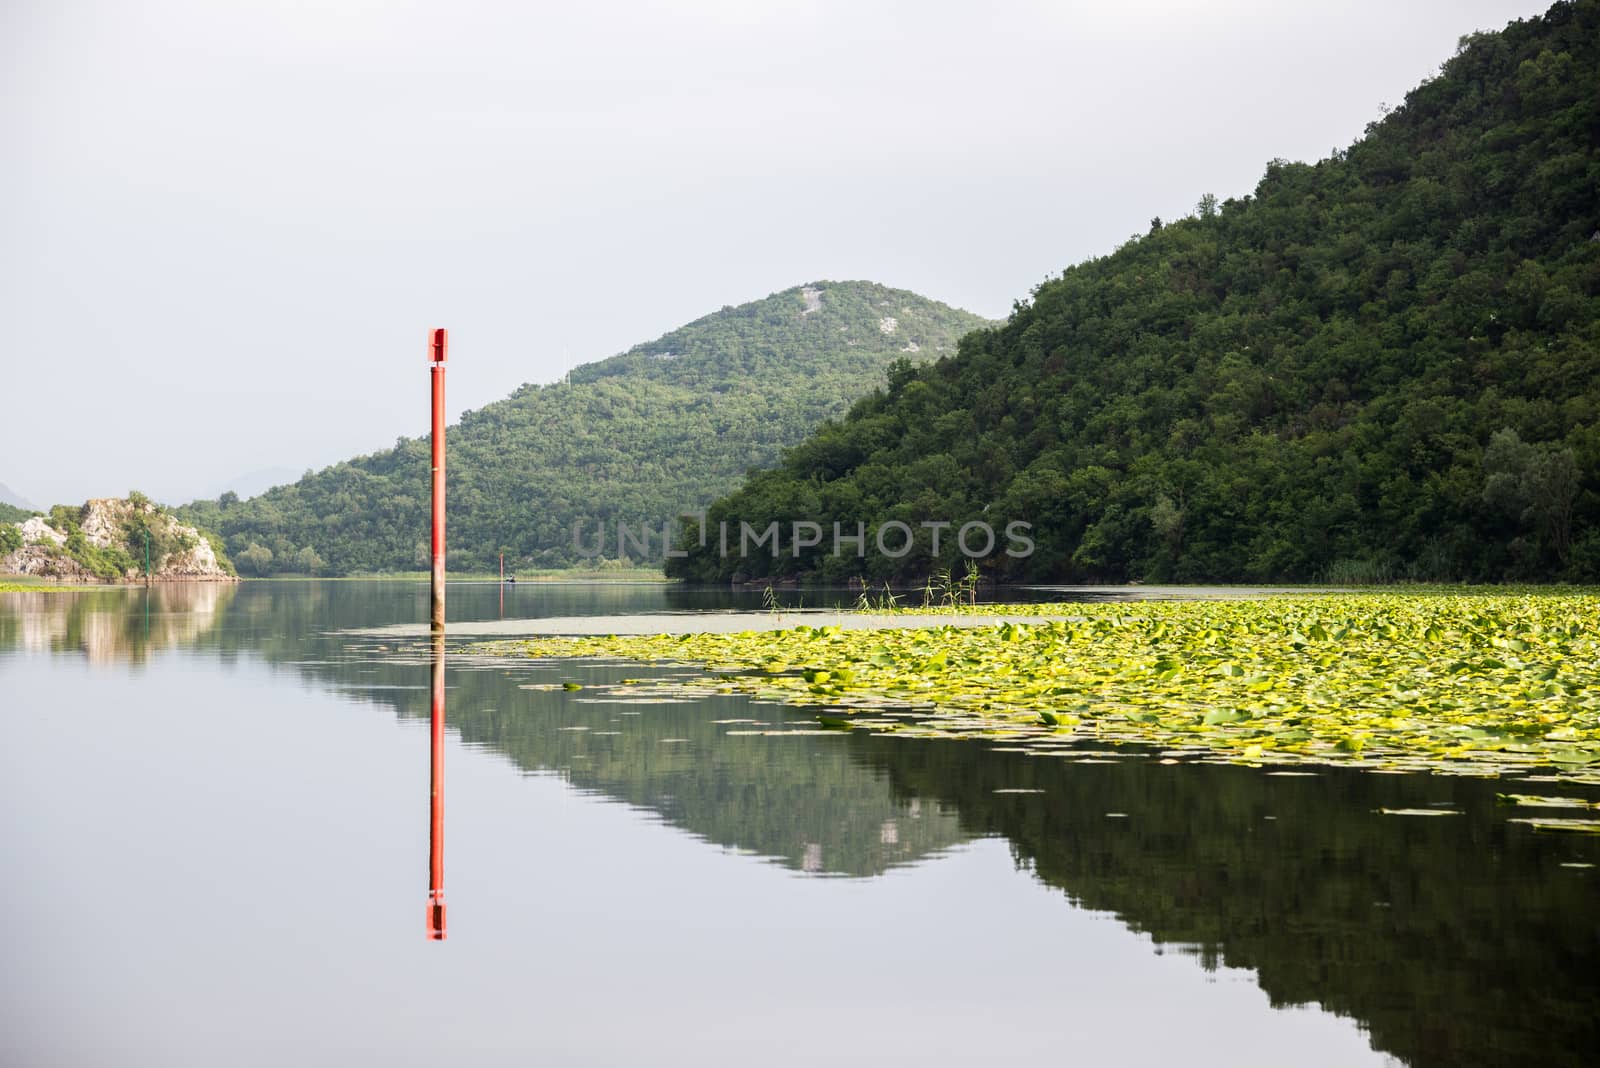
{"x":636,"y":438}
{"x":1382,"y":365}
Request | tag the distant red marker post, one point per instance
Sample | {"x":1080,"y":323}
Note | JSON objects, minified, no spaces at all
{"x":438,"y":351}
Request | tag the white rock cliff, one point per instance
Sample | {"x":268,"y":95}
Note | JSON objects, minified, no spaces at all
{"x":103,"y":523}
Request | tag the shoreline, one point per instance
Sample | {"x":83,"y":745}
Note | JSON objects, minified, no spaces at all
{"x":25,"y":583}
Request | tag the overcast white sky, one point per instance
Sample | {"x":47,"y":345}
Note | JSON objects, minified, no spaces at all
{"x":226,"y":226}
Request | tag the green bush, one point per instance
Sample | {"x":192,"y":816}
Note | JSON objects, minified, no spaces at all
{"x":220,"y":551}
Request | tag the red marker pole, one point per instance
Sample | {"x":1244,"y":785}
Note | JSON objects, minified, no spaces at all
{"x":438,"y":352}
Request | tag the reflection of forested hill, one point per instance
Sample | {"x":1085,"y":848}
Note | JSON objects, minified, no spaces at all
{"x":801,"y":800}
{"x":1455,"y":940}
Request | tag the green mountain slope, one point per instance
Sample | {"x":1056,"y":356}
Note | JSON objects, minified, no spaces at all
{"x":1386,"y":363}
{"x":666,"y":426}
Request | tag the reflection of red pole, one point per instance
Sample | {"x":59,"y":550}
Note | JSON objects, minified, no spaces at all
{"x":438,"y":352}
{"x":436,"y":798}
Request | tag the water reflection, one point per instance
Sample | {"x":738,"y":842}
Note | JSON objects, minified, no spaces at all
{"x":1455,"y":940}
{"x":436,"y":921}
{"x":107,"y":626}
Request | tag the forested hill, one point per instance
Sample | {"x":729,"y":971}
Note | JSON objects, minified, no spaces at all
{"x":1383,"y":364}
{"x":666,"y":426}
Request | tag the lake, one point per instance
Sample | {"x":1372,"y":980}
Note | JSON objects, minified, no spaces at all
{"x":216,"y":845}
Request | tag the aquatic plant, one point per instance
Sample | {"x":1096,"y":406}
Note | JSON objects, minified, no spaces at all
{"x":1464,"y":683}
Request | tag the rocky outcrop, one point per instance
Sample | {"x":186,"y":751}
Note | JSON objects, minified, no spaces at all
{"x":43,"y":553}
{"x":35,"y":531}
{"x":105,"y":542}
{"x":46,"y":561}
{"x":103,"y":518}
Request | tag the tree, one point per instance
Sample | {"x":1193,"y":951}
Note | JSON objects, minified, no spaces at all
{"x":1535,"y":484}
{"x":1167,"y":519}
{"x":308,"y":561}
{"x":257,"y":559}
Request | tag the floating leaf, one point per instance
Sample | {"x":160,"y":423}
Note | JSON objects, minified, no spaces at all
{"x":1555,"y":825}
{"x":1419,"y":812}
{"x":1540,"y":801}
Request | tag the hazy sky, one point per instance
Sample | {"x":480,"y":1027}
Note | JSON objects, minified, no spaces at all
{"x":225,"y":226}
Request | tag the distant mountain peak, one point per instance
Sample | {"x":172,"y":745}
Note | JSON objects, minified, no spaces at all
{"x":639,"y":437}
{"x":13,"y":498}
{"x":784,"y":331}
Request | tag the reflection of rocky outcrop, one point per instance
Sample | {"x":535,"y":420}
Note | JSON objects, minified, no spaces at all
{"x":111,"y":626}
{"x":1457,"y":940}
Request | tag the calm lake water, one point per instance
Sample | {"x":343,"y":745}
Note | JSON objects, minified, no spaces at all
{"x":215,"y":845}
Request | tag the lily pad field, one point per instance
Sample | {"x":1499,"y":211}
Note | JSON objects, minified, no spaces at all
{"x":1468,"y":683}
